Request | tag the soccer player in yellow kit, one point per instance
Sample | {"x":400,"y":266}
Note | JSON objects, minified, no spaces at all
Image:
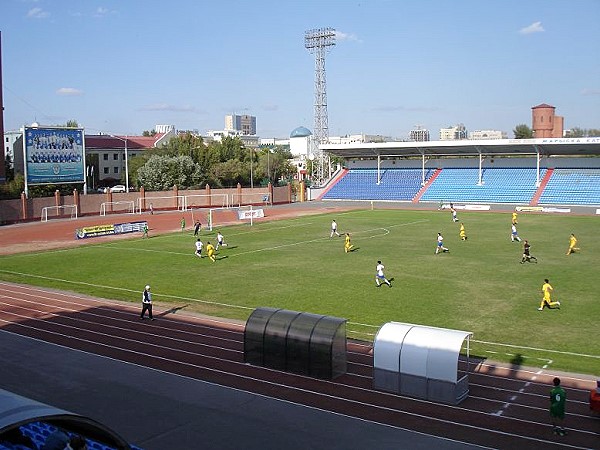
{"x":347,"y":245}
{"x":572,"y":244}
{"x":514,"y":218}
{"x":547,"y":289}
{"x":210,"y":251}
{"x":462,"y":233}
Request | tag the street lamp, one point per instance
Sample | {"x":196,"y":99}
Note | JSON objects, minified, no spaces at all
{"x":126,"y":161}
{"x":251,"y":164}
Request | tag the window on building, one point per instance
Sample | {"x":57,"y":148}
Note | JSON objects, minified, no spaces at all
{"x":116,"y":156}
{"x":542,"y":119}
{"x":106,"y":170}
{"x":105,"y":156}
{"x":115,"y":170}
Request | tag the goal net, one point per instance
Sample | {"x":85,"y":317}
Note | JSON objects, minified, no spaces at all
{"x":121,"y":207}
{"x":228,"y":216}
{"x":245,"y":199}
{"x":152,"y":204}
{"x":205,"y":201}
{"x":59,"y":212}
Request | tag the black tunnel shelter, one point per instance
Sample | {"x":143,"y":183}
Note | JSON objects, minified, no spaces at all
{"x":298,"y":342}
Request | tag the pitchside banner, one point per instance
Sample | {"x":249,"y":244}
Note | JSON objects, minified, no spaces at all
{"x":54,"y":155}
{"x":250,"y":214}
{"x":106,"y":230}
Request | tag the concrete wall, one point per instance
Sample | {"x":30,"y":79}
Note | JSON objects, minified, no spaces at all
{"x":23,"y":209}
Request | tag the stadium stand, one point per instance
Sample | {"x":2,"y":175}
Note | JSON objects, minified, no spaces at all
{"x":572,"y":187}
{"x":499,"y":185}
{"x":361,"y":184}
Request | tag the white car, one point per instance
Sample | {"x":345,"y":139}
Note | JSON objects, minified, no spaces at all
{"x":118,"y":188}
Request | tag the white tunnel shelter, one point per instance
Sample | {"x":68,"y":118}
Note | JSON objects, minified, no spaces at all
{"x":421,"y":361}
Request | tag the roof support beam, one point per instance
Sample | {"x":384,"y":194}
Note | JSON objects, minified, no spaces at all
{"x":480,"y":174}
{"x":537,"y":166}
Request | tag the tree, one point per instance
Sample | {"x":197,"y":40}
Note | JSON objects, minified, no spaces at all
{"x":9,"y":168}
{"x":523,"y":132}
{"x":274,"y":164}
{"x":161,"y":173}
{"x":149,"y":133}
{"x":580,"y":132}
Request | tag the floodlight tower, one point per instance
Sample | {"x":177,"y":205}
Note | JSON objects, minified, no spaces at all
{"x":318,"y":42}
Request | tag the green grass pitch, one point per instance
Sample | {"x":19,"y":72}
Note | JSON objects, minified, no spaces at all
{"x":479,"y":286}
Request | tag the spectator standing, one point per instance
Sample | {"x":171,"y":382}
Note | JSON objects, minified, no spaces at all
{"x":146,"y":303}
{"x":558,"y":398}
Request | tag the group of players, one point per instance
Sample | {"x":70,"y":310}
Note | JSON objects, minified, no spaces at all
{"x":440,"y":248}
{"x":527,"y":256}
{"x":210,"y":249}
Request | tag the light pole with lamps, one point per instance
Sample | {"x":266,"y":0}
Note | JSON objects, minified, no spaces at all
{"x":251,"y":164}
{"x":126,"y":160}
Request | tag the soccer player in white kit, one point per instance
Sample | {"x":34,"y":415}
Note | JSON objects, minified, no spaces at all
{"x":440,"y":244}
{"x":220,"y":241}
{"x":334,"y":229}
{"x":199,"y":246}
{"x":379,"y":276}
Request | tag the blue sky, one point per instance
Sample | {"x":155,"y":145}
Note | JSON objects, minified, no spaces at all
{"x":124,"y":66}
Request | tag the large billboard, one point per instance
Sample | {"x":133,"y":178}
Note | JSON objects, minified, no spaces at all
{"x":54,"y":155}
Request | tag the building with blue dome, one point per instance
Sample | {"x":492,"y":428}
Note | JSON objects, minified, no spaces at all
{"x":300,"y":142}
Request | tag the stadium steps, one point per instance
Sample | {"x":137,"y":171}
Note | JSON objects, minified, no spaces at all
{"x":540,"y":190}
{"x":426,"y":186}
{"x":572,"y":186}
{"x":333,"y":182}
{"x":394,"y":185}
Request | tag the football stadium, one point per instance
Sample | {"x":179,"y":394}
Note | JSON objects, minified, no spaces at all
{"x":460,"y":345}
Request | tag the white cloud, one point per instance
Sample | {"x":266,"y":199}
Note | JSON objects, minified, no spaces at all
{"x":69,"y":91}
{"x":341,"y":36}
{"x":535,"y":27}
{"x":587,"y":91}
{"x":37,"y":13}
{"x":167,"y":107}
{"x":101,"y":12}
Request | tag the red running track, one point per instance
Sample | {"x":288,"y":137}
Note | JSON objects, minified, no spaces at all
{"x":506,"y":407}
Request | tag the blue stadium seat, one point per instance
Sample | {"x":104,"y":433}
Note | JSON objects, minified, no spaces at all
{"x":394,"y":185}
{"x":502,"y":185}
{"x":572,"y":187}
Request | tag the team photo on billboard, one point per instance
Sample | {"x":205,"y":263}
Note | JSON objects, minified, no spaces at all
{"x":54,"y":155}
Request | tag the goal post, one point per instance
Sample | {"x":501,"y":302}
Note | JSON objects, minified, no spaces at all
{"x":254,"y":198}
{"x":205,"y":200}
{"x":169,"y":202}
{"x":228,"y":216}
{"x":120,"y":207}
{"x":57,"y":212}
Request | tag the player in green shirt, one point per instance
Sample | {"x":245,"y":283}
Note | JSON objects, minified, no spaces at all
{"x":558,"y":397}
